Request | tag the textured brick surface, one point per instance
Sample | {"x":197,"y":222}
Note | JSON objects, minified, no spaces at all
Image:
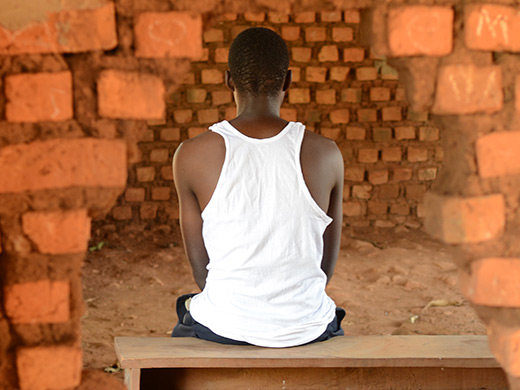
{"x":498,"y":154}
{"x":58,"y":232}
{"x":52,"y":367}
{"x":63,"y":163}
{"x":38,"y":97}
{"x":170,"y":34}
{"x":457,"y":220}
{"x":420,"y":30}
{"x":493,"y":282}
{"x":68,"y":30}
{"x":130,"y":95}
{"x":492,"y":27}
{"x":44,"y":301}
{"x":467,"y":89}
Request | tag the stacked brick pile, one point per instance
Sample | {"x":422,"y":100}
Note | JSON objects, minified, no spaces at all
{"x":392,"y":154}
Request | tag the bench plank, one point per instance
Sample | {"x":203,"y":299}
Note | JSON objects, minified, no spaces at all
{"x":348,"y":351}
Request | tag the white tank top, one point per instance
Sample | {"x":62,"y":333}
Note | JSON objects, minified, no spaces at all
{"x":263,"y":232}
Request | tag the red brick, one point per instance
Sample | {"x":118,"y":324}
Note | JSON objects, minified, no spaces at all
{"x":148,"y":210}
{"x":315,"y":74}
{"x":207,"y":116}
{"x":235,"y":30}
{"x":61,"y":163}
{"x":328,"y":53}
{"x":400,"y":208}
{"x":168,"y":34}
{"x":439,"y":153}
{"x":229,"y":16}
{"x":57,"y":232}
{"x":340,"y":73}
{"x":354,"y":174}
{"x":212,"y":76}
{"x":299,"y":95}
{"x":183,"y":116}
{"x":391,"y":154}
{"x":327,"y":96}
{"x":366,"y":73}
{"x":404,"y":132}
{"x":400,"y":94}
{"x":366,"y":115}
{"x":428,"y":134}
{"x":352,"y":209}
{"x":415,"y":192}
{"x":427,"y":174}
{"x":339,"y":116}
{"x":382,"y":134}
{"x":130,"y":95}
{"x":195,"y":131}
{"x":355,"y":133}
{"x":379,"y":94}
{"x":351,"y":95}
{"x":504,"y":342}
{"x":145,"y":174}
{"x":346,"y":192}
{"x":417,"y":154}
{"x":342,"y":34}
{"x":362,"y":191}
{"x":221,"y":55}
{"x":289,"y":114}
{"x":305,"y":17}
{"x":38,"y":97}
{"x":196,"y":95}
{"x":457,"y":220}
{"x":420,"y":30}
{"x":159,"y":155}
{"x":517,"y":94}
{"x":402,"y":174}
{"x":230,"y":113}
{"x":301,"y":54}
{"x":167,"y":173}
{"x":498,"y":154}
{"x":44,"y":301}
{"x":69,"y":31}
{"x":122,"y":213}
{"x":332,"y":133}
{"x":352,"y":16}
{"x":377,"y":207}
{"x":331,"y":16}
{"x":296,"y":74}
{"x":254,"y":16}
{"x":391,"y":114}
{"x":49,"y":367}
{"x":213,"y":35}
{"x":388,"y":191}
{"x":378,"y":176}
{"x":221,"y":97}
{"x":170,"y":134}
{"x":134,"y":194}
{"x":493,"y":282}
{"x":466,"y":89}
{"x":368,"y":155}
{"x":315,"y":34}
{"x":353,"y":54}
{"x":290,"y":33}
{"x":161,"y":193}
{"x":278,"y":17}
{"x":492,"y":27}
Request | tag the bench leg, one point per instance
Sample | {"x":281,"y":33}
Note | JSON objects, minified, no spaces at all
{"x":133,"y":378}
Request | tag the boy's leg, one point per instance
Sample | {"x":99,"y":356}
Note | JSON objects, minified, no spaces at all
{"x":334,"y":327}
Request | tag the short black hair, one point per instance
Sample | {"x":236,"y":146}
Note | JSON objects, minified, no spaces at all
{"x":258,"y":61}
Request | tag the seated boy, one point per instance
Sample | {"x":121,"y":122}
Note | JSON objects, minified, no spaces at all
{"x":261,"y":212}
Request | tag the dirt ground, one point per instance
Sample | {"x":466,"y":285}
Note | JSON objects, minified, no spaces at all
{"x":388,"y":281}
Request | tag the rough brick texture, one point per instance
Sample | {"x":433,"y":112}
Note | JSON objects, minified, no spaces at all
{"x":58,"y":232}
{"x":53,"y":367}
{"x":130,"y":95}
{"x":38,"y":97}
{"x":63,"y":163}
{"x":492,"y":27}
{"x":457,"y":220}
{"x":420,"y":30}
{"x":498,"y":154}
{"x":493,"y":282}
{"x":168,"y":34}
{"x":66,"y":30}
{"x":44,"y":301}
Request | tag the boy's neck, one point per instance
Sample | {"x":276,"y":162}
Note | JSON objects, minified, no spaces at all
{"x":261,"y":106}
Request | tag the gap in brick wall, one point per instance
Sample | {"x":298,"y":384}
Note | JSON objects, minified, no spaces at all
{"x":340,"y":90}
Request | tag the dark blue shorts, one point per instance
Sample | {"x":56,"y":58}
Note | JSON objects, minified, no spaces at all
{"x":188,"y":327}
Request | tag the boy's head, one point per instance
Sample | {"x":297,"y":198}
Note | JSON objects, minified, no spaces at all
{"x":258,"y":62}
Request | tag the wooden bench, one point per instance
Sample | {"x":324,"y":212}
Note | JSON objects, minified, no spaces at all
{"x":350,"y":362}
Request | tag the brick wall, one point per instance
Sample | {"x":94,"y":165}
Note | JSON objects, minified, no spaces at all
{"x":340,"y":90}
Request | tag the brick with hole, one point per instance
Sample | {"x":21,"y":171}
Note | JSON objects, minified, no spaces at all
{"x":498,"y":154}
{"x":37,"y":97}
{"x":170,"y":35}
{"x":458,"y":220}
{"x":40,"y":302}
{"x":420,"y":30}
{"x":130,"y":95}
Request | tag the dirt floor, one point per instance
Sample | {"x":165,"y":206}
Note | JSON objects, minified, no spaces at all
{"x":389,"y":282}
